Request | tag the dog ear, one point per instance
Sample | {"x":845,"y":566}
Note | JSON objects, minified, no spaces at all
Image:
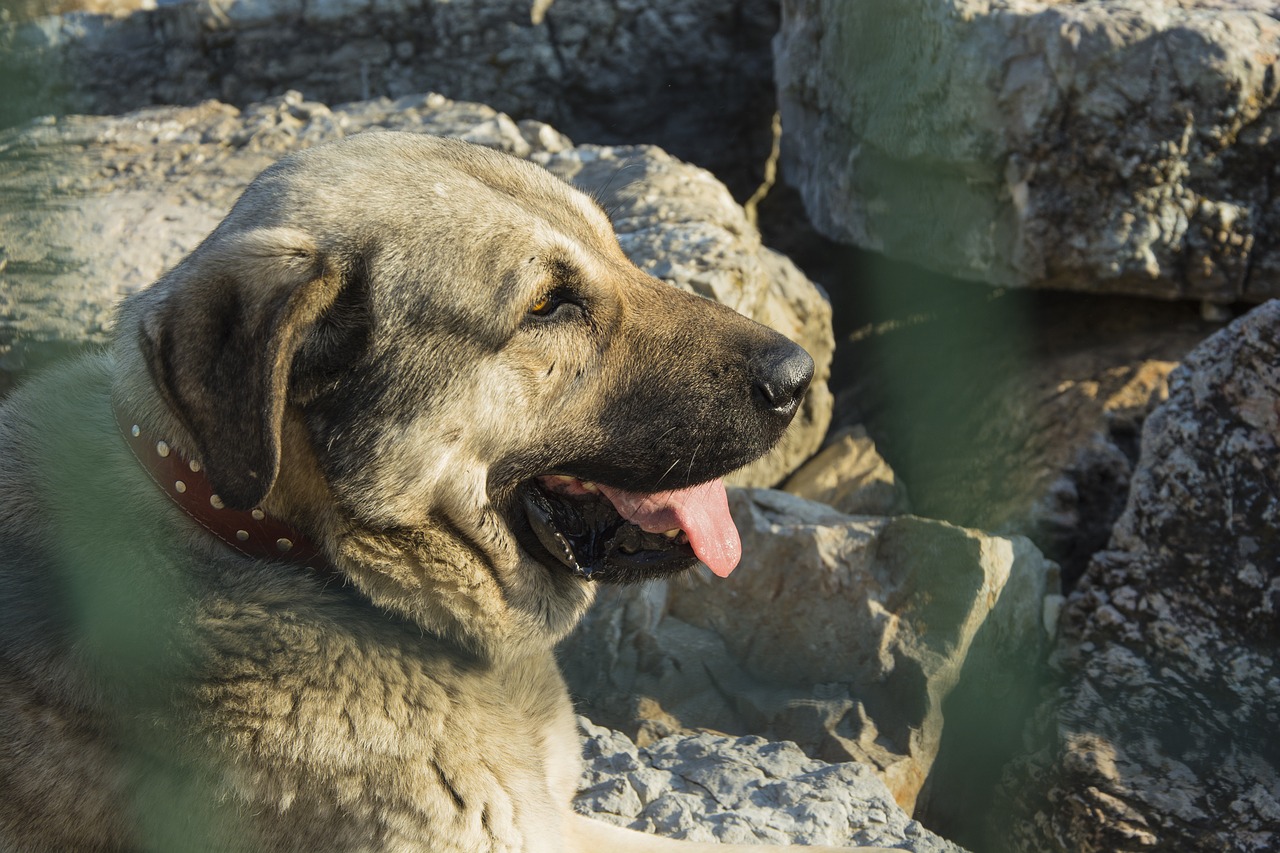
{"x":220,"y":345}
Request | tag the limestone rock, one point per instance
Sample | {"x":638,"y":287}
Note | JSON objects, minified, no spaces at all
{"x":691,"y":75}
{"x":1162,"y":735}
{"x":745,"y":790}
{"x":850,"y":476}
{"x":845,"y":635}
{"x":1109,"y":145}
{"x":95,"y":208}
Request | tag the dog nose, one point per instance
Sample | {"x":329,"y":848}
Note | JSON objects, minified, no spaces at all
{"x":781,"y":374}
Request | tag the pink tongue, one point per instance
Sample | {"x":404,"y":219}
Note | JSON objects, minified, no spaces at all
{"x":702,"y":512}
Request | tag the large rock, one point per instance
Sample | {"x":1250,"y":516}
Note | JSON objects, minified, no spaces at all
{"x":846,"y":635}
{"x":741,"y":790}
{"x":95,"y":208}
{"x":1109,"y":145}
{"x":693,"y":76}
{"x":1162,"y":736}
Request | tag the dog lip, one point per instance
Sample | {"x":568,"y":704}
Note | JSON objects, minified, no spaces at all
{"x":542,"y":522}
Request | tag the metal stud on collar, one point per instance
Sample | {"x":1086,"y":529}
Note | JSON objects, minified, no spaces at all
{"x":251,"y":532}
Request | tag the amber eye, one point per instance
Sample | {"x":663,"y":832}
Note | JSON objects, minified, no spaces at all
{"x":546,"y":305}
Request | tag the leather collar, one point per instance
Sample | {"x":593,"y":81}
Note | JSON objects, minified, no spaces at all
{"x":251,"y":532}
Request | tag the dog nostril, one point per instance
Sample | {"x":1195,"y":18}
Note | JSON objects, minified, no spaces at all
{"x":782,"y":375}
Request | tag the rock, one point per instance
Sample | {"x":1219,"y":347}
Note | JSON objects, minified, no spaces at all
{"x":1018,"y":413}
{"x":850,"y":476}
{"x":1162,"y":735}
{"x":26,"y":10}
{"x":1098,"y":145}
{"x":95,"y":208}
{"x":745,"y":790}
{"x":694,"y":76}
{"x":845,"y":635}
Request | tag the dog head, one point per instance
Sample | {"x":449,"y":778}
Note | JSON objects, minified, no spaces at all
{"x":451,"y":339}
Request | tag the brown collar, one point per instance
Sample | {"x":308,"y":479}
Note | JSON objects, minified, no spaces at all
{"x":251,"y":532}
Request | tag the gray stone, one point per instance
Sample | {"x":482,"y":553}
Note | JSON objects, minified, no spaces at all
{"x":95,"y":208}
{"x":1108,"y":145}
{"x":744,"y":790}
{"x":845,"y":635}
{"x":691,"y":75}
{"x":1162,"y":735}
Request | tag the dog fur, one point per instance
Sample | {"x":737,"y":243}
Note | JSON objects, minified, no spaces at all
{"x":383,"y":343}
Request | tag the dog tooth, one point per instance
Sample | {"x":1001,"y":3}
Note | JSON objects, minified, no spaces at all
{"x":589,"y":486}
{"x":672,"y":533}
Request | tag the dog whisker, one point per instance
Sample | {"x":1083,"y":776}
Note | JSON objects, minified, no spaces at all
{"x":692,"y":457}
{"x":602,"y":195}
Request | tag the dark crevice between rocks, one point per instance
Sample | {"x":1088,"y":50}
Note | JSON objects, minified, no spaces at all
{"x":548,"y":20}
{"x":961,"y":789}
{"x":963,"y":388}
{"x":955,"y":382}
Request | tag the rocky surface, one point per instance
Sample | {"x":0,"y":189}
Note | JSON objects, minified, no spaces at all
{"x":1016,"y":412}
{"x":1116,"y":146}
{"x":1163,"y":733}
{"x":846,"y":635}
{"x":27,"y":10}
{"x":745,"y":790}
{"x":849,"y":475}
{"x":94,"y":208}
{"x":693,"y":76}
{"x":1121,"y":146}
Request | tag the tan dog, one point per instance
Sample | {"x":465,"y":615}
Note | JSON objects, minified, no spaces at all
{"x":283,"y":570}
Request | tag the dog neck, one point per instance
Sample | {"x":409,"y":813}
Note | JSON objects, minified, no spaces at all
{"x":439,"y":581}
{"x":252,"y":532}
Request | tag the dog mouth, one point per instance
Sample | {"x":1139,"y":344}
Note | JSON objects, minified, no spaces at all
{"x":608,"y":534}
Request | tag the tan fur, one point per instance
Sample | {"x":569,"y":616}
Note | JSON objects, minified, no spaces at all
{"x":353,"y":350}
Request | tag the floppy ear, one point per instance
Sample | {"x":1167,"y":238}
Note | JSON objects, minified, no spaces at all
{"x":220,"y":343}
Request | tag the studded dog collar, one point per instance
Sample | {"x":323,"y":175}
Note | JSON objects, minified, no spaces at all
{"x":251,"y":532}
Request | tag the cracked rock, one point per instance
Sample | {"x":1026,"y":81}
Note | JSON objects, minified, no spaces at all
{"x":745,"y":790}
{"x":1122,"y":146}
{"x":693,"y":76}
{"x":844,"y":634}
{"x":1162,"y":734}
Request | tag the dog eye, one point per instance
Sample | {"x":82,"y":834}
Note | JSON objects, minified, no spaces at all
{"x":549,"y":303}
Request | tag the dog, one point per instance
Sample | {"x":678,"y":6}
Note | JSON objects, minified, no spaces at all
{"x":282,"y":568}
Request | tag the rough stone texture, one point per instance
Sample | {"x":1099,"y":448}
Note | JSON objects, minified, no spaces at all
{"x":850,"y":476}
{"x":1015,"y":414}
{"x":845,"y":635}
{"x":1110,"y":145}
{"x":95,"y":208}
{"x":745,"y":790}
{"x":26,"y":10}
{"x":694,"y":76}
{"x":1163,"y":733}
